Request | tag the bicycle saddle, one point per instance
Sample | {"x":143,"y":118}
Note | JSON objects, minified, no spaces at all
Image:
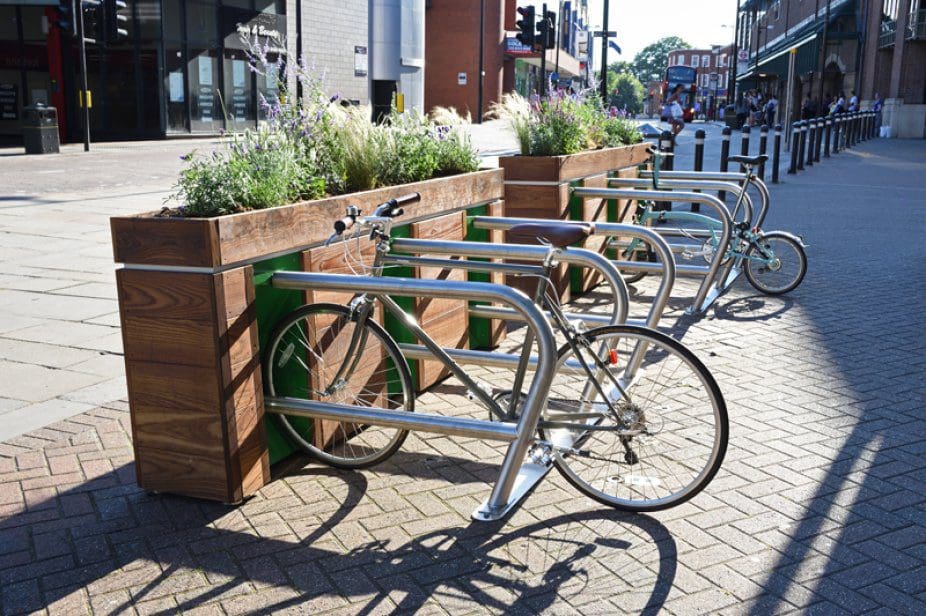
{"x":558,"y":235}
{"x":752,"y":161}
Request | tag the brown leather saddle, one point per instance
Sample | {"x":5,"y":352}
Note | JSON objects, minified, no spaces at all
{"x":558,"y":235}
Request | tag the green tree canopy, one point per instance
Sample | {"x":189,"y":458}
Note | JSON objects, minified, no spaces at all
{"x":653,"y":59}
{"x":625,"y":92}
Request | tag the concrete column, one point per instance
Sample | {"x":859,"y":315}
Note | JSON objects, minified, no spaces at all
{"x":870,"y":58}
{"x":899,"y":44}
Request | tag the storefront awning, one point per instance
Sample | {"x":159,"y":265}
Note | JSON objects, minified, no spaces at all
{"x":776,"y":64}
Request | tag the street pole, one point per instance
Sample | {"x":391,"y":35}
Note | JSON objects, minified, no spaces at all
{"x":559,"y":29}
{"x":84,"y":93}
{"x":482,"y":30}
{"x":731,"y":87}
{"x":604,"y":56}
{"x":543,"y":58}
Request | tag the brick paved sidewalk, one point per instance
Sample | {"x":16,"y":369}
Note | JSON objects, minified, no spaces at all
{"x":819,"y":507}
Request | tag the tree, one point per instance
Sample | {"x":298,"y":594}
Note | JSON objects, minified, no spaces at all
{"x":625,"y":92}
{"x":653,"y":59}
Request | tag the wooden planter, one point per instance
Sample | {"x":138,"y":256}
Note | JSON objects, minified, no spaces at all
{"x":538,"y":187}
{"x":189,"y":311}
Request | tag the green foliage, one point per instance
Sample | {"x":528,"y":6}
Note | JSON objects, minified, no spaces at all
{"x":312,"y":147}
{"x":651,"y":62}
{"x":625,"y":92}
{"x":563,"y":125}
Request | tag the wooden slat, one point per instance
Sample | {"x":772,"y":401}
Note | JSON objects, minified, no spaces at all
{"x":594,"y":209}
{"x":242,"y":406}
{"x":252,"y":235}
{"x":445,"y":320}
{"x":573,"y":166}
{"x":165,"y":295}
{"x":188,"y":343}
{"x":332,"y":260}
{"x":166,"y":470}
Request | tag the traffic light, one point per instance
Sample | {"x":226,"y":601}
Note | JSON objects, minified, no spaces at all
{"x":526,"y":26}
{"x":67,"y":20}
{"x":93,"y":19}
{"x":549,"y":38}
{"x":115,"y":19}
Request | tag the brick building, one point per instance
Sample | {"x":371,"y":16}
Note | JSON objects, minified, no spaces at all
{"x":452,"y":59}
{"x":822,"y":48}
{"x":713,"y":76}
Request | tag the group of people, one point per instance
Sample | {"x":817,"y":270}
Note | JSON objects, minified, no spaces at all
{"x":756,"y":108}
{"x":832,"y":105}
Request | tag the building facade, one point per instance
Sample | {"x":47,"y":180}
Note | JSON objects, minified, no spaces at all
{"x":713,"y":74}
{"x":822,"y":49}
{"x":453,"y":45}
{"x":183,"y":69}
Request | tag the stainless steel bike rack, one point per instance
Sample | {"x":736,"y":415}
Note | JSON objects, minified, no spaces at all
{"x":517,"y":475}
{"x":720,"y":176}
{"x":665,"y":266}
{"x":718,"y":276}
{"x":730,"y":187}
{"x":581,"y":257}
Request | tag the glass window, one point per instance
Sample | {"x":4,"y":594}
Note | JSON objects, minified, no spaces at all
{"x":8,"y":29}
{"x":694,"y":61}
{"x":239,"y":91}
{"x":147,"y":19}
{"x":174,"y":88}
{"x":705,"y":61}
{"x":173,"y":20}
{"x":201,"y":21}
{"x":203,"y":79}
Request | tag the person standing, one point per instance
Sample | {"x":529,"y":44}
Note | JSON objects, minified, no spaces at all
{"x":877,"y":106}
{"x":770,"y":108}
{"x":676,"y":114}
{"x":853,"y":102}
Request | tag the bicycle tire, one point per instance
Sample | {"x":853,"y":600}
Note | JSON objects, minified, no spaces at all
{"x":787,"y":250}
{"x":674,"y":402}
{"x":385,"y":383}
{"x":644,"y":255}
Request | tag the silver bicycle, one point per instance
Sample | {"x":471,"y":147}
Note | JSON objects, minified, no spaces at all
{"x":632,"y":418}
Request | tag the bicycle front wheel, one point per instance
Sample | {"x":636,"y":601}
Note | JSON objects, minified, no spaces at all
{"x":317,"y":353}
{"x":644,"y":429}
{"x":775,"y":264}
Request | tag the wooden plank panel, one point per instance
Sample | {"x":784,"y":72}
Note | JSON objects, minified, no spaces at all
{"x":445,"y":320}
{"x":524,"y":201}
{"x":161,"y":470}
{"x":187,"y":343}
{"x":332,"y":260}
{"x":226,"y":240}
{"x":165,"y":241}
{"x":573,"y":166}
{"x":594,"y":209}
{"x":498,"y":327}
{"x":242,"y":406}
{"x":165,"y":295}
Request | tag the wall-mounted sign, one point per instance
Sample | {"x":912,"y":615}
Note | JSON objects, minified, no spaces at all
{"x":514,"y":47}
{"x":9,"y":108}
{"x":361,"y":61}
{"x":461,"y":79}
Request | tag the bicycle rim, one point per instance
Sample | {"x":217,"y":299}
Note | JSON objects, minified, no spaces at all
{"x":784,"y":272}
{"x":652,"y":449}
{"x":307,"y":350}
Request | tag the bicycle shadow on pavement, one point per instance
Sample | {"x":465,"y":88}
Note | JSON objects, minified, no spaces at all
{"x":315,"y":540}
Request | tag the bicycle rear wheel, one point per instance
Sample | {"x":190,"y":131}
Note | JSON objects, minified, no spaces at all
{"x":662,"y":438}
{"x":783,"y":271}
{"x":310,"y":357}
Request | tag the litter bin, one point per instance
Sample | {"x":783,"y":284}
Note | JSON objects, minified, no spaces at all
{"x":40,"y":129}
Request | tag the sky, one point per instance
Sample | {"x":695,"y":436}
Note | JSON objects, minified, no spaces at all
{"x":641,"y":22}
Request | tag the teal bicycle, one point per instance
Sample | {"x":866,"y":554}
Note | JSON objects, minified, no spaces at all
{"x":774,"y":262}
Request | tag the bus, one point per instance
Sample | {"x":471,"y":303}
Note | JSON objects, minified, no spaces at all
{"x":688,"y":77}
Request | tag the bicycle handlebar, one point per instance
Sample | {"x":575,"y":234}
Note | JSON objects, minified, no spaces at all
{"x":386,"y":209}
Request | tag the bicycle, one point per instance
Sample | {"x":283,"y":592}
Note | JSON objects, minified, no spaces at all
{"x":774,"y":262}
{"x":633,"y":419}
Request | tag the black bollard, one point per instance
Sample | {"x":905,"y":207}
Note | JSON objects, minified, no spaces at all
{"x":698,"y":161}
{"x":724,"y":154}
{"x":744,"y":145}
{"x":667,"y":145}
{"x":795,"y":139}
{"x":811,"y":135}
{"x":837,"y":125}
{"x":847,"y":132}
{"x":763,"y":147}
{"x":801,"y":143}
{"x":827,"y":134}
{"x":818,"y":142}
{"x":776,"y":154}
